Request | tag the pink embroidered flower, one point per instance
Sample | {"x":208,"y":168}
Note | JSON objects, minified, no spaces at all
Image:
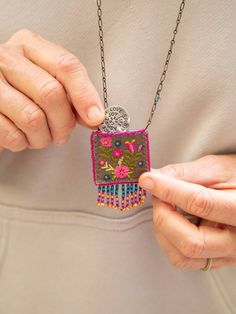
{"x":131,"y":145}
{"x":102,"y":162}
{"x":117,"y":152}
{"x":121,"y":171}
{"x":106,"y":141}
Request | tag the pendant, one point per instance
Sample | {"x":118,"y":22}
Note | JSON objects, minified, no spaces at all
{"x":116,"y":120}
{"x":118,"y":160}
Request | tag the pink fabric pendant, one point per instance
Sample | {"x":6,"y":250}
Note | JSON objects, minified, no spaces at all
{"x":118,"y":160}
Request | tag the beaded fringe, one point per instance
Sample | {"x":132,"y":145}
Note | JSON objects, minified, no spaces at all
{"x":130,"y":195}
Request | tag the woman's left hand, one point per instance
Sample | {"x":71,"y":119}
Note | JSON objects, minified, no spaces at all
{"x":205,"y":188}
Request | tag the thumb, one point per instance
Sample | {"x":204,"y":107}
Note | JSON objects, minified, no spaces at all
{"x":209,"y":170}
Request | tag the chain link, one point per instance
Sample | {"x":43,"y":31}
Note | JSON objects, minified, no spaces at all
{"x":163,"y":75}
{"x":103,"y":65}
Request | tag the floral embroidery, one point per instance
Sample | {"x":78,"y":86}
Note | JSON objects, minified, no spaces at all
{"x":102,"y":162}
{"x":117,"y":152}
{"x":118,"y":161}
{"x":130,"y":145}
{"x":119,"y":158}
{"x":121,"y":171}
{"x":106,"y":141}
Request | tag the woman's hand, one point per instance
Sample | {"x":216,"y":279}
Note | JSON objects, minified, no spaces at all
{"x":205,"y":188}
{"x":44,"y":89}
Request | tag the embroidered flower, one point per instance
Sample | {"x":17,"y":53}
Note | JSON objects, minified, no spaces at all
{"x":106,"y":141}
{"x":131,"y":145}
{"x":107,"y":177}
{"x":140,"y":147}
{"x":121,"y":171}
{"x":117,"y":143}
{"x":140,"y":163}
{"x":117,"y":152}
{"x":102,"y":162}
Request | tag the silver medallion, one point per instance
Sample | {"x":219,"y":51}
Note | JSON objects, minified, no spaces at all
{"x":116,"y":120}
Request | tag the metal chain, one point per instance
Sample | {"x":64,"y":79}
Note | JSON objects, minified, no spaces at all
{"x":104,"y":80}
{"x":163,"y":75}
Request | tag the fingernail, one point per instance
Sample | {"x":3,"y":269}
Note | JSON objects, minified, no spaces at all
{"x":147,"y":184}
{"x":95,"y":114}
{"x":62,"y":141}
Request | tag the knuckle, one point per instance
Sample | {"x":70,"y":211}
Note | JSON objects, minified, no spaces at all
{"x":51,"y":91}
{"x":25,"y":33}
{"x":201,"y":204}
{"x":33,"y":120}
{"x":192,"y":247}
{"x":69,"y":127}
{"x":65,"y":130}
{"x":13,"y":138}
{"x":210,"y":158}
{"x":68,"y":63}
{"x":173,"y":170}
{"x":4,"y":53}
{"x":9,"y":57}
{"x":179,"y":262}
{"x":84,"y":92}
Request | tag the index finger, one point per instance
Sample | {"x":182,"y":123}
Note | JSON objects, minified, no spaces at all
{"x":218,"y":206}
{"x":68,"y":70}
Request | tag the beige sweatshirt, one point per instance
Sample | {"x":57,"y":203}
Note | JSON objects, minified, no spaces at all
{"x":59,"y":252}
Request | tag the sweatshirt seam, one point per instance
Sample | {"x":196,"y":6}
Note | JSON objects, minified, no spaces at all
{"x":81,"y":224}
{"x":54,"y":217}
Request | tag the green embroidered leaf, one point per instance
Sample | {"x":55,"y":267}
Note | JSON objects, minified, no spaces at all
{"x":106,"y":149}
{"x":128,"y":158}
{"x":139,"y":154}
{"x":127,"y":163}
{"x":136,"y":159}
{"x":106,"y":156}
{"x":103,"y":149}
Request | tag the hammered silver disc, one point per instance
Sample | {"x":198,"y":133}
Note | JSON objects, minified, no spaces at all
{"x":116,"y":120}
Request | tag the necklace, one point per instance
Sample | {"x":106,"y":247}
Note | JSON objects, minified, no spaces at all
{"x":120,"y":156}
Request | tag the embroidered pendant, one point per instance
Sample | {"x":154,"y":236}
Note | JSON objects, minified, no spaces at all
{"x":118,"y":161}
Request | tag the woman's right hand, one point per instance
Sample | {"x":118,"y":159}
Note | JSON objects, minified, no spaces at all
{"x":44,"y":90}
